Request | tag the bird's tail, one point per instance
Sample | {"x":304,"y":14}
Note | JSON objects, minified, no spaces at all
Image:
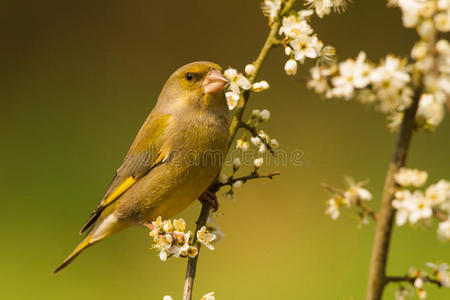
{"x":86,"y":242}
{"x":104,"y":227}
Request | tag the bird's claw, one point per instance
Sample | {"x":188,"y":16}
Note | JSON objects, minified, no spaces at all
{"x":210,"y":198}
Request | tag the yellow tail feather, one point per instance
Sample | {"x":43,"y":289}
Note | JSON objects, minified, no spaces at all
{"x":103,"y":227}
{"x":86,"y":242}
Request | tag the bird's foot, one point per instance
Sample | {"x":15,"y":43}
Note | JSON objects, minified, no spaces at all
{"x":209,"y":198}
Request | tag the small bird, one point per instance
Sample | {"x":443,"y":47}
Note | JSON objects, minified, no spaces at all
{"x":175,"y":156}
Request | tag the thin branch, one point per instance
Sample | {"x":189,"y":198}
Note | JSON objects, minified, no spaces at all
{"x":192,"y":262}
{"x":383,"y":230}
{"x":365,"y":208}
{"x":270,"y":42}
{"x":217,"y":185}
{"x":254,"y":132}
{"x":411,"y":279}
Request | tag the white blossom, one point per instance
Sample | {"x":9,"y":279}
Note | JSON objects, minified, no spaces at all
{"x":274,"y":143}
{"x":242,"y":144}
{"x":305,"y":46}
{"x":255,"y":113}
{"x":231,"y":73}
{"x":250,"y":69}
{"x":206,"y":238}
{"x":442,"y":21}
{"x":418,"y":283}
{"x":258,"y":162}
{"x":260,"y":86}
{"x":402,"y":294}
{"x":223,"y":178}
{"x":232,"y":99}
{"x":430,"y":111}
{"x":333,"y":206}
{"x":236,"y":163}
{"x":441,"y":272}
{"x":410,"y":177}
{"x":264,"y":115}
{"x":439,"y":192}
{"x":291,"y":67}
{"x":293,"y":27}
{"x":270,"y":8}
{"x":444,"y":230}
{"x":422,"y":294}
{"x":352,"y":74}
{"x":411,"y":207}
{"x":237,"y":184}
{"x":255,"y":140}
{"x":237,"y":82}
{"x":324,"y":7}
{"x":209,"y":296}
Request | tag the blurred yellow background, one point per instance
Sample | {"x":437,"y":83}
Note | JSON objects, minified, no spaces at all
{"x":78,"y":80}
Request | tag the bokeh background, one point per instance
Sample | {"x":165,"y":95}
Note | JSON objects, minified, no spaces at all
{"x":77,"y":80}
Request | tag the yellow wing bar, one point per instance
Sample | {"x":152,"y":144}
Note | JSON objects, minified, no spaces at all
{"x":122,"y":188}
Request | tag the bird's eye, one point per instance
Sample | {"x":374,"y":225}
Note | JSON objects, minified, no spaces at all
{"x":189,"y":76}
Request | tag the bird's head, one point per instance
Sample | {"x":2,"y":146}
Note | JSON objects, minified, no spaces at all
{"x":198,"y":83}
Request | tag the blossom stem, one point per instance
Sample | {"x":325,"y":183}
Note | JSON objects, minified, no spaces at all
{"x":217,"y":185}
{"x":254,"y":132}
{"x":377,"y":274}
{"x":411,"y":279}
{"x":192,"y":262}
{"x":270,"y":42}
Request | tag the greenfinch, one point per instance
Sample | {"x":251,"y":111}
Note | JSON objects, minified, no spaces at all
{"x":176,"y":154}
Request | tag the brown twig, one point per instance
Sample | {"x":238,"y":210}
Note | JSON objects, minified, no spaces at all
{"x":217,"y":185}
{"x":270,"y":42}
{"x":383,"y":230}
{"x":254,"y":132}
{"x":365,"y":208}
{"x":192,"y":262}
{"x":411,"y":279}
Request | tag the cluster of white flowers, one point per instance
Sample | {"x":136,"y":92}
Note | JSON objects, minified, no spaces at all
{"x":170,"y":238}
{"x":432,"y":56}
{"x":410,"y":177}
{"x":209,"y":296}
{"x":353,"y":196}
{"x":439,"y":274}
{"x":261,"y":139}
{"x":417,"y":13}
{"x":324,"y":7}
{"x":391,"y":85}
{"x":239,"y":81}
{"x":416,"y":205}
{"x":386,"y":85}
{"x":270,"y":9}
{"x":301,"y":43}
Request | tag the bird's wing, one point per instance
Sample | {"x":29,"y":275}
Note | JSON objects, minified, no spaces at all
{"x":147,"y":152}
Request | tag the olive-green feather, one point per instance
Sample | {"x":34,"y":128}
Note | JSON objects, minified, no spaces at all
{"x":145,"y":153}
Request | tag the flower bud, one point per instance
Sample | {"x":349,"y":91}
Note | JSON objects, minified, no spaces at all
{"x":258,"y":162}
{"x":291,"y":67}
{"x":250,"y":69}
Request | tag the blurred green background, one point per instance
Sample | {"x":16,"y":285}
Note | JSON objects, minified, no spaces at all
{"x":77,"y":80}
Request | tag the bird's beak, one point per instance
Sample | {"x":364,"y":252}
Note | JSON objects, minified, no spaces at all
{"x":214,"y":82}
